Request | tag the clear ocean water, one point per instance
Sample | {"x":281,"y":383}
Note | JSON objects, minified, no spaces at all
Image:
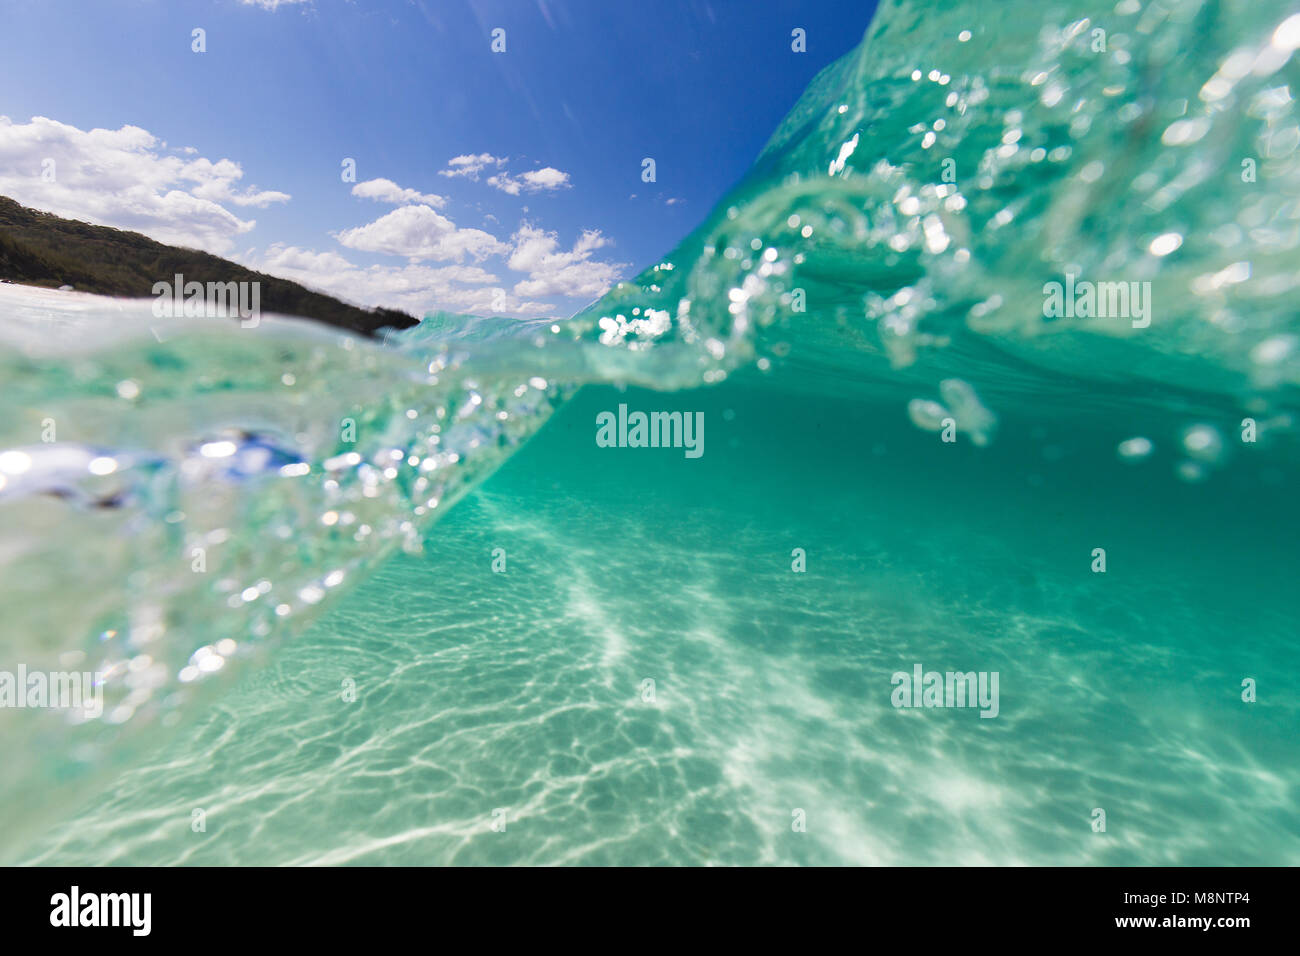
{"x":392,"y":603}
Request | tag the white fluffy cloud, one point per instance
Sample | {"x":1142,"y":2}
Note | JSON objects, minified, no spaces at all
{"x":552,"y":272}
{"x":129,"y":179}
{"x":470,"y":165}
{"x":385,"y":190}
{"x":536,"y":180}
{"x":418,"y":232}
{"x":418,"y":288}
{"x":413,"y":288}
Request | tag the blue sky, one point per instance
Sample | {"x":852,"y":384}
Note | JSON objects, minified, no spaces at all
{"x":551,"y":207}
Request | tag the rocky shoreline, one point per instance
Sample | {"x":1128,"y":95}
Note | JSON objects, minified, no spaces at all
{"x":42,"y":249}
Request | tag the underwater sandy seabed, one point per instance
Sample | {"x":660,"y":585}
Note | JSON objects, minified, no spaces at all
{"x":521,"y":696}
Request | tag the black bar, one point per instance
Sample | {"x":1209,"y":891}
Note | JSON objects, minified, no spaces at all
{"x":945,"y":907}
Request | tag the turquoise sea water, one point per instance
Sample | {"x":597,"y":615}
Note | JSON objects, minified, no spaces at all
{"x":349,"y":679}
